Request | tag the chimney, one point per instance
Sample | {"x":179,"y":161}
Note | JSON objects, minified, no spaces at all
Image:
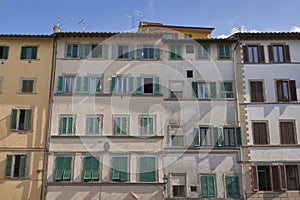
{"x":56,"y":29}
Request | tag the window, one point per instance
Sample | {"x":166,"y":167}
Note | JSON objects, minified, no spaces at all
{"x":287,"y":133}
{"x":260,"y":134}
{"x":204,"y":90}
{"x":66,"y":84}
{"x":203,"y":51}
{"x":175,"y":52}
{"x":189,"y":73}
{"x":29,"y":52}
{"x":233,"y":186}
{"x":189,"y":49}
{"x":176,"y":89}
{"x":188,"y":36}
{"x":256,"y":91}
{"x":177,"y":185}
{"x":279,"y":53}
{"x":292,"y":177}
{"x":227,"y":90}
{"x":148,"y":125}
{"x":94,"y":125}
{"x":286,"y":90}
{"x":229,"y":137}
{"x":224,"y":51}
{"x":176,"y":136}
{"x":178,"y":191}
{"x":121,"y":125}
{"x":120,"y":169}
{"x":146,"y":51}
{"x":208,"y":186}
{"x":4,"y":52}
{"x":83,"y":51}
{"x":95,"y":85}
{"x":177,"y":140}
{"x":202,"y":136}
{"x":193,"y":188}
{"x":84,"y":84}
{"x":168,"y":35}
{"x":254,"y":54}
{"x":63,"y":168}
{"x":268,"y":178}
{"x":27,"y":86}
{"x":67,"y":125}
{"x":91,"y":169}
{"x":21,"y":119}
{"x":16,"y":166}
{"x":147,"y":169}
{"x":121,"y":85}
{"x":147,"y":85}
{"x":97,"y":50}
{"x":123,"y":51}
{"x":72,"y":51}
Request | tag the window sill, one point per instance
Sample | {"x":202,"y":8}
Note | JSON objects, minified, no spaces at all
{"x":262,"y":103}
{"x":30,"y":60}
{"x":15,"y":178}
{"x":272,"y":145}
{"x":22,"y":131}
{"x":193,"y":99}
{"x":26,"y":93}
{"x":110,"y":136}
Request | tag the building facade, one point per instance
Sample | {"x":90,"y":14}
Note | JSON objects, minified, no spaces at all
{"x":25,"y":74}
{"x":268,"y":76}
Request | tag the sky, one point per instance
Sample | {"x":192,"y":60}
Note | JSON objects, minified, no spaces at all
{"x":226,"y":16}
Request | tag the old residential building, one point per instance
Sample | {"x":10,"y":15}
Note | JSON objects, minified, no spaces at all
{"x":25,"y":72}
{"x":268,"y":75}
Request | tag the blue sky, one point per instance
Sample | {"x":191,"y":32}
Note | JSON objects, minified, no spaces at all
{"x":39,"y":16}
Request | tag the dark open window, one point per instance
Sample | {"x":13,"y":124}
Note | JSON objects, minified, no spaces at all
{"x":178,"y":191}
{"x":286,"y":90}
{"x":257,"y":91}
{"x":292,"y":177}
{"x":287,"y":133}
{"x":260,"y":134}
{"x":264,"y":178}
{"x":148,"y":85}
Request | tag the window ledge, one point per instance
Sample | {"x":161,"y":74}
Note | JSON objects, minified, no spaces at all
{"x":30,"y":93}
{"x":272,"y":145}
{"x":16,"y":179}
{"x":110,"y":136}
{"x":193,"y":99}
{"x":29,"y":60}
{"x":111,"y":183}
{"x":274,"y":102}
{"x":22,"y":131}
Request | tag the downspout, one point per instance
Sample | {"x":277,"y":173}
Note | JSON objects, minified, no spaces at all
{"x":48,"y":129}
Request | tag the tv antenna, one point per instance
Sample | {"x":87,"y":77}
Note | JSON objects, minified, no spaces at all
{"x":132,"y":19}
{"x":84,"y":23}
{"x":140,"y":15}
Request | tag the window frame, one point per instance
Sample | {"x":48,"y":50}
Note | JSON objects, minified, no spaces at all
{"x":267,"y":132}
{"x":71,"y":167}
{"x":12,"y":163}
{"x":215,"y":192}
{"x":224,"y":92}
{"x":98,"y":158}
{"x":294,"y":139}
{"x":5,"y":52}
{"x":1,"y":84}
{"x":94,"y":117}
{"x":292,"y":95}
{"x":120,"y":170}
{"x":22,"y":79}
{"x":171,"y":92}
{"x":140,"y":167}
{"x":153,"y":125}
{"x":203,"y":51}
{"x":189,"y":49}
{"x":221,"y":49}
{"x":297,"y":178}
{"x":127,"y":127}
{"x":233,"y":196}
{"x":67,"y":116}
{"x":175,"y":51}
{"x":256,"y":99}
{"x":17,"y":119}
{"x":32,"y":55}
{"x":174,"y":131}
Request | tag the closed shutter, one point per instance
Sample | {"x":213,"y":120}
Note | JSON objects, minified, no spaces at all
{"x":283,"y":133}
{"x":87,"y":51}
{"x":197,"y":137}
{"x":23,"y":52}
{"x":67,"y":168}
{"x":131,"y":51}
{"x":90,"y":125}
{"x":34,"y":52}
{"x":254,"y":176}
{"x":130,"y":85}
{"x":256,"y":133}
{"x":63,"y":125}
{"x":215,"y":138}
{"x":245,"y":54}
{"x":151,"y":166}
{"x":5,"y":52}
{"x":78,"y":84}
{"x":60,"y":84}
{"x":156,"y":85}
{"x":117,"y":126}
{"x":208,"y":186}
{"x":70,"y":125}
{"x":213,"y":90}
{"x":13,"y":119}
{"x":280,"y":95}
{"x":59,"y":168}
{"x":105,"y":49}
{"x":238,"y":132}
{"x":139,"y":86}
{"x":293,"y":90}
{"x":86,"y":84}
{"x":263,"y":133}
{"x":95,"y":166}
{"x":287,"y":57}
{"x":157,"y":52}
{"x":113,"y":85}
{"x":87,"y":169}
{"x":69,"y":50}
{"x":204,"y":186}
{"x":114,"y":51}
{"x":291,"y":134}
{"x":195,"y":89}
{"x":123,"y":171}
{"x":98,"y":84}
{"x":261,"y":54}
{"x":143,"y":170}
{"x":276,"y":179}
{"x":80,"y":51}
{"x":116,"y":169}
{"x":271,"y":55}
{"x":8,"y":165}
{"x":253,"y":89}
{"x":233,"y":187}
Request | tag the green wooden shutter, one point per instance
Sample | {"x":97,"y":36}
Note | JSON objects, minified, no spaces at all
{"x":220,"y":132}
{"x":156,"y":85}
{"x":99,"y":84}
{"x":124,"y":125}
{"x":28,"y":120}
{"x":151,"y":169}
{"x":197,"y":137}
{"x":208,"y":186}
{"x":238,"y":132}
{"x":105,"y":51}
{"x":123,"y":169}
{"x":63,"y":125}
{"x":213,"y":90}
{"x":143,"y":170}
{"x":204,"y":186}
{"x":151,"y":125}
{"x":86,"y":84}
{"x":87,"y":169}
{"x":23,"y":166}
{"x":195,"y":89}
{"x":13,"y":119}
{"x":34,"y":52}
{"x":139,"y":51}
{"x":59,"y":168}
{"x":139,"y":87}
{"x":67,"y":168}
{"x":130,"y":85}
{"x":179,"y":51}
{"x":233,"y":187}
{"x":78,"y":84}
{"x":87,"y":51}
{"x":23,"y":52}
{"x":69,"y":50}
{"x":90,"y":125}
{"x":131,"y":51}
{"x":215,"y":137}
{"x":95,"y":164}
{"x":117,"y":126}
{"x":157,"y":52}
{"x":80,"y":50}
{"x":115,"y":169}
{"x":212,"y":186}
{"x":70,"y":125}
{"x":113,"y":85}
{"x":60,"y":84}
{"x":8,"y":165}
{"x":5,"y":52}
{"x":114,"y":51}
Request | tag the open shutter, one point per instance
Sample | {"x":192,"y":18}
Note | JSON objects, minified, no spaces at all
{"x":287,"y":57}
{"x":195,"y":89}
{"x":215,"y":138}
{"x":113,"y":85}
{"x":23,"y":52}
{"x":283,"y":177}
{"x":245,"y":54}
{"x":28,"y":120}
{"x":98,"y":84}
{"x":60,"y":84}
{"x":197,"y":137}
{"x":271,"y":55}
{"x":23,"y":166}
{"x":87,"y":51}
{"x":213,"y":90}
{"x":156,"y":85}
{"x":254,"y":175}
{"x":105,"y":49}
{"x":261,"y":54}
{"x":8,"y":165}
{"x":114,"y":51}
{"x":5,"y":52}
{"x":276,"y":178}
{"x":34,"y":52}
{"x":293,"y":90}
{"x":124,"y":126}
{"x":63,"y":125}
{"x":139,"y":87}
{"x":279,"y":85}
{"x":130,"y":85}
{"x":157,"y":52}
{"x":238,"y":132}
{"x":13,"y":119}
{"x":86,"y":84}
{"x":78,"y":84}
{"x":131,"y":51}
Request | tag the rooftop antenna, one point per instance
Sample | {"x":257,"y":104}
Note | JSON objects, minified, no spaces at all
{"x":132,"y":21}
{"x":140,"y":15}
{"x":84,"y":23}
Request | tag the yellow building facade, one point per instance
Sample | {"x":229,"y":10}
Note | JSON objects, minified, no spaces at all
{"x":25,"y":79}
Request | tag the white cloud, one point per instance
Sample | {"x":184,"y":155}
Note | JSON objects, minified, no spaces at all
{"x":241,"y":29}
{"x":295,"y":29}
{"x":223,"y":36}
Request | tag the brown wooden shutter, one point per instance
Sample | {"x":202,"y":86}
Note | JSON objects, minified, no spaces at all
{"x":287,"y":57}
{"x":290,"y":131}
{"x":293,"y":90}
{"x":245,"y":54}
{"x":263,"y":133}
{"x":260,"y":91}
{"x":256,"y":133}
{"x":283,"y":132}
{"x":276,"y":178}
{"x":253,"y":91}
{"x":282,"y":177}
{"x":279,"y":85}
{"x":255,"y":186}
{"x":261,"y":54}
{"x":270,"y":51}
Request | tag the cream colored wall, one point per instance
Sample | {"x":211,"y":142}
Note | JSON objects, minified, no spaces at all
{"x":32,"y":142}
